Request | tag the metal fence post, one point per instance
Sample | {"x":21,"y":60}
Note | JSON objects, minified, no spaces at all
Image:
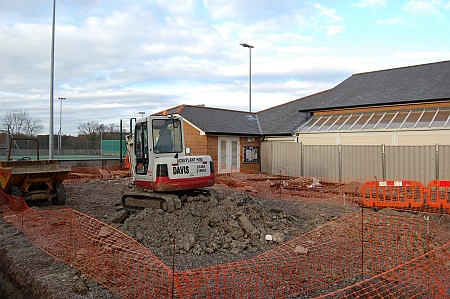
{"x":302,"y":160}
{"x":271,"y":157}
{"x":436,"y":161}
{"x":340,"y":162}
{"x":383,"y":161}
{"x":120,"y":145}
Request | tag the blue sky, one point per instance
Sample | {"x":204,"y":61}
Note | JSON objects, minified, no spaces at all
{"x":114,"y":59}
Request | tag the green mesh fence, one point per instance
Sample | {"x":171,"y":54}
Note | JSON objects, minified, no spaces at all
{"x":112,"y":147}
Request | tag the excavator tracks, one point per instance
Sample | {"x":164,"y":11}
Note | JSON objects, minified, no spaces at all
{"x":168,"y":202}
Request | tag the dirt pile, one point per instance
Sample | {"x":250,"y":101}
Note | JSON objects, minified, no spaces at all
{"x":228,"y":223}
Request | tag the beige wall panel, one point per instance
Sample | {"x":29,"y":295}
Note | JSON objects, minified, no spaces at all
{"x":318,"y":139}
{"x":411,"y":163}
{"x":321,"y":161}
{"x":444,"y":162}
{"x":370,"y":138}
{"x":266,"y":156}
{"x":427,"y":137}
{"x":361,"y":162}
{"x":286,"y":159}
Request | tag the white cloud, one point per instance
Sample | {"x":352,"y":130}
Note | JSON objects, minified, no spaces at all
{"x":335,"y":29}
{"x":331,"y":19}
{"x":329,"y":13}
{"x":423,"y":7}
{"x":391,"y":21}
{"x":370,"y":3}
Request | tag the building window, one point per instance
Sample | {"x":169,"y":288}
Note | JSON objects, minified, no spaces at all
{"x":392,"y":120}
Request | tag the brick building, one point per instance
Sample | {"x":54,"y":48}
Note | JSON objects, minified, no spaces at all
{"x":402,"y":106}
{"x":232,"y":138}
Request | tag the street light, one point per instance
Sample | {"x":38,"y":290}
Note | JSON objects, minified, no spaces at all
{"x":52,"y":75}
{"x":60,"y":123}
{"x":250,"y":76}
{"x":142,"y":114}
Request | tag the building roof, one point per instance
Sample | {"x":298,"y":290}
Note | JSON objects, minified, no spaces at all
{"x":219,"y":121}
{"x":420,"y":83}
{"x":413,"y":84}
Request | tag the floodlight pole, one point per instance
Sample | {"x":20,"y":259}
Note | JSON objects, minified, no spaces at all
{"x":52,"y":75}
{"x":250,"y":76}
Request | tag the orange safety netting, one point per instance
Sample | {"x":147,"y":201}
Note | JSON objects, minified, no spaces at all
{"x":103,"y":253}
{"x":362,"y":255}
{"x":98,"y":172}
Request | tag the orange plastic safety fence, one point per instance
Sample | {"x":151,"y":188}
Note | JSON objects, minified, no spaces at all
{"x":423,"y":277}
{"x":103,"y":253}
{"x":439,"y":194}
{"x":315,"y":189}
{"x":98,"y":172}
{"x":380,"y":256}
{"x":393,"y":194}
{"x":407,"y":195}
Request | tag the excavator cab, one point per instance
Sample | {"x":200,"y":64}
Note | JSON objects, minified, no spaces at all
{"x":156,"y":137}
{"x":158,"y":160}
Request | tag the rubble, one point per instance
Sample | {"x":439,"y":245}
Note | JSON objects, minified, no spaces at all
{"x":229,"y":223}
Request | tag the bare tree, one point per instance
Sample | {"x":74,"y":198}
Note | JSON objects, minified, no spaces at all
{"x":93,"y":130}
{"x":89,"y":129}
{"x":19,"y":122}
{"x":110,"y":128}
{"x":33,"y":127}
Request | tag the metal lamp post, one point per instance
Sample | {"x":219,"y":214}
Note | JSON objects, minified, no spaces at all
{"x":250,"y":76}
{"x":60,"y":125}
{"x":142,"y":114}
{"x":52,"y":75}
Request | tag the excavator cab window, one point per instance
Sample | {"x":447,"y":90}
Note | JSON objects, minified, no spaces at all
{"x":167,"y":136}
{"x":141,"y":148}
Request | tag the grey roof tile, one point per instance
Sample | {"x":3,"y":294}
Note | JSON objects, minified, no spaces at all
{"x":411,"y":84}
{"x":419,"y":83}
{"x":220,"y":121}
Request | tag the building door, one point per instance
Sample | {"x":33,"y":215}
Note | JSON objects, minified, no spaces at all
{"x":228,"y":154}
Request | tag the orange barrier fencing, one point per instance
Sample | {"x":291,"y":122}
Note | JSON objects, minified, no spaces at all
{"x":406,"y":194}
{"x":438,"y":194}
{"x":98,"y":172}
{"x":395,"y":194}
{"x":315,"y":189}
{"x":366,"y":255}
{"x":101,"y":252}
{"x":422,"y":277}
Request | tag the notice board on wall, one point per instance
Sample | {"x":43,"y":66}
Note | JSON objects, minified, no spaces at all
{"x":251,"y":154}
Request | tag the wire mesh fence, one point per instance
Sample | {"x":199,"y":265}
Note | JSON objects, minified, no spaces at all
{"x":366,"y":254}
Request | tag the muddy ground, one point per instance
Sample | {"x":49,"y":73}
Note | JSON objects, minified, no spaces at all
{"x":228,"y":226}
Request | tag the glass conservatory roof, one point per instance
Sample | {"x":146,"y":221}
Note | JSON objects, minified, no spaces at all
{"x":389,"y":120}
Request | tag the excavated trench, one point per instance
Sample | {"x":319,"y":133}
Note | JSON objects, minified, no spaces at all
{"x":12,"y":280}
{"x":8,"y":289}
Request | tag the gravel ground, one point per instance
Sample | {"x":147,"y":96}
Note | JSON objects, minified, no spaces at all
{"x":41,"y":276}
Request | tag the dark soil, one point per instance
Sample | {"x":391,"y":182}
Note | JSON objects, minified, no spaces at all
{"x":206,"y":231}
